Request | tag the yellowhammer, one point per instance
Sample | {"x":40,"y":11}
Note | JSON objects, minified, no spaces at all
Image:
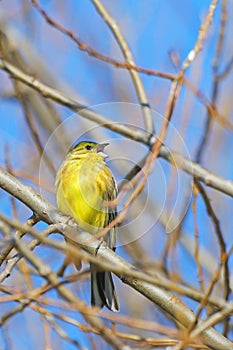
{"x":84,"y":186}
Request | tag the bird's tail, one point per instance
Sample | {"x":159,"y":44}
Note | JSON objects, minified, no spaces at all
{"x":102,"y":290}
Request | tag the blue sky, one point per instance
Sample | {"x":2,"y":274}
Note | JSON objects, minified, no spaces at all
{"x":152,"y":30}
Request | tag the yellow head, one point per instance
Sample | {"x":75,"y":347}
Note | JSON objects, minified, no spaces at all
{"x":85,"y":148}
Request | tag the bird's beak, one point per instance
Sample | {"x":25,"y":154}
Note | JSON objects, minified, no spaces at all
{"x":100,"y":147}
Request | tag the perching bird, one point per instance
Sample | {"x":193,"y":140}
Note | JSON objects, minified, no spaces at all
{"x":84,"y":186}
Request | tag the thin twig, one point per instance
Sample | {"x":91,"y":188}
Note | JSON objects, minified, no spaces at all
{"x":139,"y":88}
{"x":209,"y":120}
{"x":196,"y":232}
{"x":220,"y":237}
{"x":30,"y":222}
{"x":94,"y":53}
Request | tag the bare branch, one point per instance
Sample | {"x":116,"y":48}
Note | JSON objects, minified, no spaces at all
{"x":140,"y":90}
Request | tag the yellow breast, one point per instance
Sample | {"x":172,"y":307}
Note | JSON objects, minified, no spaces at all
{"x":84,"y":187}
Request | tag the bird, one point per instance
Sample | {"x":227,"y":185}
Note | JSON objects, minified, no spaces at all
{"x":84,"y":187}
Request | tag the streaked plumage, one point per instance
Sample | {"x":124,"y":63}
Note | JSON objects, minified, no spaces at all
{"x":84,"y":186}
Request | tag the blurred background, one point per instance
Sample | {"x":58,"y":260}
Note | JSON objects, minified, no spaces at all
{"x":170,"y":228}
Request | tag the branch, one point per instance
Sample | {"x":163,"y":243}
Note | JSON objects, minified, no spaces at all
{"x":141,"y":93}
{"x":201,"y":37}
{"x":94,"y":53}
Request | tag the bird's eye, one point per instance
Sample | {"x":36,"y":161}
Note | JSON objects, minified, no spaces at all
{"x":88,"y":147}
